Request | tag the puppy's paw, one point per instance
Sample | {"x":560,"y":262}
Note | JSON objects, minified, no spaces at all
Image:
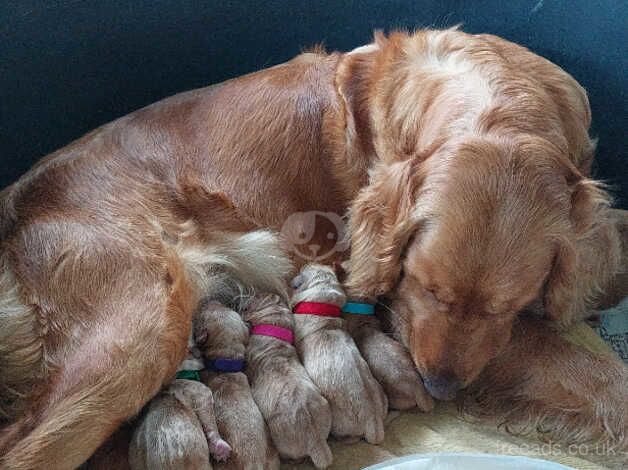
{"x":319,"y":450}
{"x":393,"y":368}
{"x":218,"y":448}
{"x":300,"y":424}
{"x":369,"y":405}
{"x":358,"y":403}
{"x":374,"y":429}
{"x":321,"y":454}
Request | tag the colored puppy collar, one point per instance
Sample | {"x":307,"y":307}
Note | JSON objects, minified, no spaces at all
{"x":317,"y":308}
{"x":359,"y":308}
{"x":188,"y":375}
{"x":225,"y":364}
{"x":278,"y":332}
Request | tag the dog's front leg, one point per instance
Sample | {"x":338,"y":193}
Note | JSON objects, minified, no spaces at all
{"x":544,"y":382}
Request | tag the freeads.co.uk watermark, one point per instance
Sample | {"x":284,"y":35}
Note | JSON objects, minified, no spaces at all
{"x":315,"y":235}
{"x":556,"y":449}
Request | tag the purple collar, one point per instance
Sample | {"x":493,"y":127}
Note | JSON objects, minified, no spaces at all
{"x":225,"y":364}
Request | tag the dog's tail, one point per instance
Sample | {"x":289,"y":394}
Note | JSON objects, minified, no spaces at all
{"x":236,"y":265}
{"x":22,"y":360}
{"x":22,"y":355}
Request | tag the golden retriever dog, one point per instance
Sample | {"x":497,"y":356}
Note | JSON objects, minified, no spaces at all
{"x":462,"y":161}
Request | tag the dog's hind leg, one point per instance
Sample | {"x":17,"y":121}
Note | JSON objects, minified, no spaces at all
{"x":124,"y":355}
{"x":114,"y":452}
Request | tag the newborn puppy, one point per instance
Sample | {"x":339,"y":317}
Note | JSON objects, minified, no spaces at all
{"x":297,"y":415}
{"x":239,"y":420}
{"x":331,"y":358}
{"x":389,"y":362}
{"x":178,"y":430}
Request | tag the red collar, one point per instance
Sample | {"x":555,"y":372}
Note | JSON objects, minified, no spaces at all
{"x":317,"y":308}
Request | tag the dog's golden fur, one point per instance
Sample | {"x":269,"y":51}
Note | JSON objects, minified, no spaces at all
{"x":463,"y":161}
{"x":550,"y":392}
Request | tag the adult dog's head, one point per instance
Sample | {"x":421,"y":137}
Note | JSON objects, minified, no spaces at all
{"x":489,"y":215}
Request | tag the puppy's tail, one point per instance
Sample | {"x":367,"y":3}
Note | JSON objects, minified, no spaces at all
{"x":235,"y":265}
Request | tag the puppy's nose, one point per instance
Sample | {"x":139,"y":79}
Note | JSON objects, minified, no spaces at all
{"x":442,"y":386}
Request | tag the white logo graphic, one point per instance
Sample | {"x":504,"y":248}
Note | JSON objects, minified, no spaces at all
{"x":315,"y":235}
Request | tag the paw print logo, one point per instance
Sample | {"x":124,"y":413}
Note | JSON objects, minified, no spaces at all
{"x":315,"y":235}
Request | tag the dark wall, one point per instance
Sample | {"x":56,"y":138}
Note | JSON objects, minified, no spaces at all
{"x":67,"y":66}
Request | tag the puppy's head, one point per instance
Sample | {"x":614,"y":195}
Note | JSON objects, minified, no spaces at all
{"x":220,"y":332}
{"x":464,"y":241}
{"x":317,"y":283}
{"x":267,"y":308}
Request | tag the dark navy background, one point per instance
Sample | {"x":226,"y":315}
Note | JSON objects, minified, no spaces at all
{"x":67,"y":66}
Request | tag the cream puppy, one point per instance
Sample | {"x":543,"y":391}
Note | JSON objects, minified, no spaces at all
{"x":222,"y":337}
{"x":178,"y":430}
{"x":297,"y":415}
{"x":332,"y":360}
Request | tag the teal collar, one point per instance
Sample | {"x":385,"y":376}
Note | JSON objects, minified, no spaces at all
{"x":188,"y":375}
{"x":359,"y":308}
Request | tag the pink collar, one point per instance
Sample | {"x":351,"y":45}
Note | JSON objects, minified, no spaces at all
{"x":278,"y":332}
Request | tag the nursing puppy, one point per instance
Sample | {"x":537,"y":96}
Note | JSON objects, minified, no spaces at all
{"x":178,"y":430}
{"x":297,"y":415}
{"x":332,"y":360}
{"x":388,"y":361}
{"x":221,"y":333}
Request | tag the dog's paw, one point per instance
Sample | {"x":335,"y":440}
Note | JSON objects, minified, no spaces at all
{"x":393,"y":368}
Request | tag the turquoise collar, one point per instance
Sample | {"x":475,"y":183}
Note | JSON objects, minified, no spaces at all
{"x":359,"y":308}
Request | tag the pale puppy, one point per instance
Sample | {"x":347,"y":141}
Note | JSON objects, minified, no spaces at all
{"x":221,"y":333}
{"x":332,"y":360}
{"x":297,"y":415}
{"x":178,"y":430}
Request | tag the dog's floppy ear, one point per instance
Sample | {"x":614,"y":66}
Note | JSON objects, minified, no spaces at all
{"x":353,"y":83}
{"x":587,"y":258}
{"x":381,"y":221}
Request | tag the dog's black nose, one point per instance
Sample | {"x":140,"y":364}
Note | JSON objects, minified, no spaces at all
{"x":442,"y":386}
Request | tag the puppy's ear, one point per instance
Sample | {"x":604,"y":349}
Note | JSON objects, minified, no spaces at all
{"x":587,"y":258}
{"x":297,"y":281}
{"x":200,"y":337}
{"x":381,"y":223}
